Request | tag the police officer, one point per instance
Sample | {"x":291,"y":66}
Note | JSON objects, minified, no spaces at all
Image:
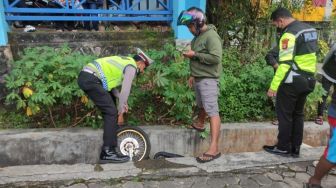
{"x":293,"y":80}
{"x":99,"y":81}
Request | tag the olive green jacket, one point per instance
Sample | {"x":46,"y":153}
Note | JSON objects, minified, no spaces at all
{"x":208,"y":54}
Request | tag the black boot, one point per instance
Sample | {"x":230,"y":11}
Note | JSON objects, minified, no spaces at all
{"x":295,"y":151}
{"x":110,"y":155}
{"x":275,"y":150}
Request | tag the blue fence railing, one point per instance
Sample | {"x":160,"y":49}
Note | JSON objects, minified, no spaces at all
{"x":89,"y":10}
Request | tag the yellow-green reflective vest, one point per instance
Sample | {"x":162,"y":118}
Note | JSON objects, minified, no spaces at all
{"x":297,"y":53}
{"x":113,"y":68}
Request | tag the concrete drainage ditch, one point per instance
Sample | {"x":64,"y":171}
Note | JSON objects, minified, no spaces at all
{"x":82,"y":145}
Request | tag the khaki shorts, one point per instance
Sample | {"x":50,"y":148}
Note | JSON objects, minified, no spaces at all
{"x":207,"y":90}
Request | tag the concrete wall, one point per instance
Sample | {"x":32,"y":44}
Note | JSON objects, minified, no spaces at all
{"x":99,"y":43}
{"x":46,"y":146}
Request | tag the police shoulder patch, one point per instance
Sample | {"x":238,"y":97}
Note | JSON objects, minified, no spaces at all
{"x":284,"y":43}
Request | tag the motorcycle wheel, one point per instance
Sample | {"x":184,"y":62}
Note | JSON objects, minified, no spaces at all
{"x":134,"y":142}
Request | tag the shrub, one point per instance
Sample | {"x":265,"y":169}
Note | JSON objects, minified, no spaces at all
{"x":43,"y":85}
{"x":243,"y":87}
{"x":162,"y":94}
{"x":312,"y":101}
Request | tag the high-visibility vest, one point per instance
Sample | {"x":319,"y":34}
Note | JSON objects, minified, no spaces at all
{"x":112,"y":69}
{"x":297,"y":53}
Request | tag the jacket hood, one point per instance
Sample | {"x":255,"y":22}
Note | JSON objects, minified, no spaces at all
{"x":212,"y":27}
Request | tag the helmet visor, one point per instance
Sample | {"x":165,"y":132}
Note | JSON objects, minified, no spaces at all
{"x":185,"y":18}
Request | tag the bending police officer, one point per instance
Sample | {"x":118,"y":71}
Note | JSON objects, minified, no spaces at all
{"x":99,"y":80}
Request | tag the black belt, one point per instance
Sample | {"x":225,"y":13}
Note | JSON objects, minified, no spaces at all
{"x":90,"y":71}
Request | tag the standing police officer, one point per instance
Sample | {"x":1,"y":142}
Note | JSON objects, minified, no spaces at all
{"x":293,"y":80}
{"x":99,"y":81}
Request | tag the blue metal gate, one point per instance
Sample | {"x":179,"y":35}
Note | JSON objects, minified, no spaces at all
{"x":110,"y":10}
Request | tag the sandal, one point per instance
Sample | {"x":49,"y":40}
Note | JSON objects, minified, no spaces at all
{"x":193,"y":126}
{"x":319,"y":120}
{"x":310,"y":185}
{"x":207,"y":157}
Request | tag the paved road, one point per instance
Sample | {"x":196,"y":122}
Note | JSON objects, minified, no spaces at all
{"x":277,"y":176}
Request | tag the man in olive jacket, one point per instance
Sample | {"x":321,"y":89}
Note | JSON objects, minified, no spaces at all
{"x":205,"y":65}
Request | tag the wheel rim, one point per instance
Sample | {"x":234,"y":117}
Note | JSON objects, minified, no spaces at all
{"x":132,"y":140}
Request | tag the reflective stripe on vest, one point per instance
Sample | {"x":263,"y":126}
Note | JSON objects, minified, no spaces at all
{"x":101,"y":75}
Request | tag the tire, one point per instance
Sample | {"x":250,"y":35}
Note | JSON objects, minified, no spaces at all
{"x":163,"y":155}
{"x":134,"y":138}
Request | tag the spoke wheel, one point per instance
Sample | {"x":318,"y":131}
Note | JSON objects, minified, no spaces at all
{"x":133,"y":142}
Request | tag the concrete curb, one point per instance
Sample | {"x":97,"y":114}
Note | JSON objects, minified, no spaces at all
{"x":82,"y":145}
{"x":189,"y":167}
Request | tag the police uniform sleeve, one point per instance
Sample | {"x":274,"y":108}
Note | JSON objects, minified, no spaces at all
{"x":286,"y":55}
{"x":129,"y":75}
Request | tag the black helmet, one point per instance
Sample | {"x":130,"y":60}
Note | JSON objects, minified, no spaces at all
{"x":193,"y":16}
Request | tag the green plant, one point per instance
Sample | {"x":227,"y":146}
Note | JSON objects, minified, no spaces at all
{"x":43,"y":84}
{"x":243,"y":87}
{"x":11,"y":119}
{"x":43,"y":87}
{"x":312,"y":101}
{"x":323,"y":50}
{"x":149,"y":113}
{"x":204,"y":134}
{"x":162,"y":92}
